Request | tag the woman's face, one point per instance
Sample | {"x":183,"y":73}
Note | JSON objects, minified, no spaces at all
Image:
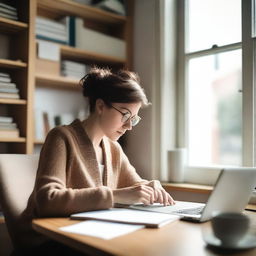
{"x":112,"y":119}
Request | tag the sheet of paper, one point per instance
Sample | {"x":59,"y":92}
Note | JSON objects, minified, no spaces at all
{"x":101,"y":229}
{"x":128,"y":216}
{"x":48,"y":51}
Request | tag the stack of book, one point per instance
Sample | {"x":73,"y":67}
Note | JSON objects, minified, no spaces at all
{"x":51,"y":30}
{"x":8,"y":11}
{"x":8,"y":129}
{"x":73,"y":69}
{"x":7,"y":88}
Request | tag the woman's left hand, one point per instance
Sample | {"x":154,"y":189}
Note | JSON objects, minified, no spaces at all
{"x":160,"y":195}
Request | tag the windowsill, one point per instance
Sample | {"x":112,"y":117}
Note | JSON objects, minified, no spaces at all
{"x":196,"y":188}
{"x":188,"y":187}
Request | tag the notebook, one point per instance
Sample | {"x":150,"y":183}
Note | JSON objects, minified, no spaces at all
{"x":120,"y":215}
{"x":231,"y":193}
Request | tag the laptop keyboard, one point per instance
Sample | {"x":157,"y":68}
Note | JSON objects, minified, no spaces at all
{"x":192,"y":211}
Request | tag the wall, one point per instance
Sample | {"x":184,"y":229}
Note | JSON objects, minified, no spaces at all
{"x":154,"y":61}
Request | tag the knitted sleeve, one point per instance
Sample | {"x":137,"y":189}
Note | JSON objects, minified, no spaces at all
{"x":128,"y":175}
{"x":52,"y":196}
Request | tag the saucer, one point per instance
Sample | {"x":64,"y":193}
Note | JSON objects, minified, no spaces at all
{"x":248,"y":242}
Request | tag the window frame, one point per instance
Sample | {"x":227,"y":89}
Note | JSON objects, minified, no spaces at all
{"x":208,"y":174}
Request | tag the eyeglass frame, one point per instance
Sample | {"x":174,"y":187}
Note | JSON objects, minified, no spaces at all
{"x":130,"y":117}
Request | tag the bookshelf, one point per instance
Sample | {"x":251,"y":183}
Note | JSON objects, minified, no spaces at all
{"x":11,"y":26}
{"x":13,"y":64}
{"x":21,"y":62}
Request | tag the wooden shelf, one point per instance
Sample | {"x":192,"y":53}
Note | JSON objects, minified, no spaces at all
{"x":13,"y":101}
{"x":11,"y":26}
{"x":59,"y":8}
{"x":78,"y":54}
{"x":12,"y":63}
{"x":57,"y":81}
{"x":20,"y":139}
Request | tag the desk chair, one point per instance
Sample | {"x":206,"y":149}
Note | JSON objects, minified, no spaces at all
{"x":17,"y":178}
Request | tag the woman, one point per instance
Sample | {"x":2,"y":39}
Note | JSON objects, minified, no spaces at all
{"x":82,"y":166}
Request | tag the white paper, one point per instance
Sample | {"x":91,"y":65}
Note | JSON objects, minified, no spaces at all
{"x":128,"y":216}
{"x":48,"y":51}
{"x":101,"y":229}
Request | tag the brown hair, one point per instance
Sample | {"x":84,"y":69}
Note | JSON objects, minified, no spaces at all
{"x":119,"y":87}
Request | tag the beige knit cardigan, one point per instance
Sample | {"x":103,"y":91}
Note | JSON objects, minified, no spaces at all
{"x":68,"y":178}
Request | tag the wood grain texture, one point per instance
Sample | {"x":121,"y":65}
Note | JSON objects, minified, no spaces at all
{"x":178,"y":238}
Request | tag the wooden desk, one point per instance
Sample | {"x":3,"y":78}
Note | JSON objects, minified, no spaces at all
{"x":178,"y":238}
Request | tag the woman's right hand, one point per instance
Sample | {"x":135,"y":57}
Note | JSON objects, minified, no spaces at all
{"x":135,"y":194}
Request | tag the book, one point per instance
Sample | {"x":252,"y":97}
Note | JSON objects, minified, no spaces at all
{"x":74,"y":74}
{"x":91,"y":40}
{"x":51,"y":39}
{"x":9,"y":95}
{"x":129,"y":216}
{"x":9,"y":7}
{"x":9,"y":90}
{"x":51,"y":35}
{"x":4,"y":74}
{"x":5,"y":79}
{"x":46,"y":123}
{"x":69,"y":23}
{"x":49,"y":22}
{"x":9,"y":133}
{"x":12,"y":85}
{"x":8,"y":11}
{"x":39,"y":124}
{"x":50,"y":29}
{"x":6,"y":119}
{"x":48,"y":51}
{"x":7,"y":126}
{"x":8,"y":16}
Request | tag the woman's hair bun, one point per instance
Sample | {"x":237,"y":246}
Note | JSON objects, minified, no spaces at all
{"x":120,"y":86}
{"x":91,"y":82}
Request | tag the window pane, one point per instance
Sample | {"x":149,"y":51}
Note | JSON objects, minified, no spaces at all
{"x":253,"y":18}
{"x":213,"y":22}
{"x":215,"y":109}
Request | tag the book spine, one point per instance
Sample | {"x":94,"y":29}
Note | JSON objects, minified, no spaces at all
{"x":7,"y":85}
{"x":51,"y":35}
{"x":8,"y":16}
{"x":9,"y":95}
{"x":40,"y":27}
{"x":6,"y":119}
{"x":72,"y":31}
{"x":48,"y":22}
{"x":50,"y":39}
{"x":9,"y":90}
{"x":9,"y":133}
{"x":5,"y":79}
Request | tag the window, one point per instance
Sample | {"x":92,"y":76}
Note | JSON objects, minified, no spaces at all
{"x":216,"y":87}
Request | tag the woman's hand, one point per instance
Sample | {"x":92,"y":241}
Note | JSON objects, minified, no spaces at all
{"x":160,"y":195}
{"x":135,"y":194}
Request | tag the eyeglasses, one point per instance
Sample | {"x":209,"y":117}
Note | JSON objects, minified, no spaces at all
{"x":127,"y":117}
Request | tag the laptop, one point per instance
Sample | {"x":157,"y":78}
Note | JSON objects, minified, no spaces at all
{"x":231,"y":193}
